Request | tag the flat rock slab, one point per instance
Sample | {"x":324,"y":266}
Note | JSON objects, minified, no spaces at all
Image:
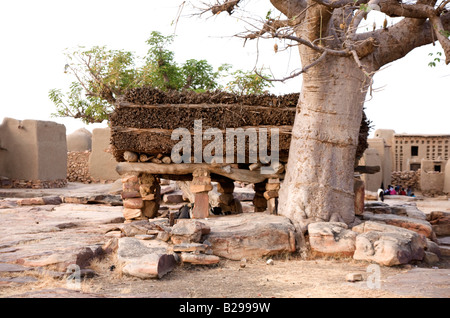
{"x":250,"y":235}
{"x":12,"y":268}
{"x":444,"y":240}
{"x":17,"y":280}
{"x":54,"y":235}
{"x":433,"y":283}
{"x":57,"y":293}
{"x":189,"y":231}
{"x":417,"y":225}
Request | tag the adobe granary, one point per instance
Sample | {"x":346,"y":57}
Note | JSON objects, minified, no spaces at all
{"x":142,"y":139}
{"x":33,"y":154}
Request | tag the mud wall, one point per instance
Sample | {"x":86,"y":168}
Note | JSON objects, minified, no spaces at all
{"x":33,"y":150}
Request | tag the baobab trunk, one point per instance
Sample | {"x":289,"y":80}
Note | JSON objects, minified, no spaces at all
{"x":318,"y":184}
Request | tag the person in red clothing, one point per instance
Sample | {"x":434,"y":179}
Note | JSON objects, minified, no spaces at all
{"x":392,"y":191}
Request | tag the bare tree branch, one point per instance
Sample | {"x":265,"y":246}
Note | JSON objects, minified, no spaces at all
{"x":227,"y":6}
{"x":303,"y":70}
{"x":290,"y":8}
{"x":441,"y":35}
{"x":401,"y":38}
{"x":340,"y":3}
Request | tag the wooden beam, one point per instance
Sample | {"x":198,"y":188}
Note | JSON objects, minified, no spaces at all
{"x":224,"y":170}
{"x":367,"y":169}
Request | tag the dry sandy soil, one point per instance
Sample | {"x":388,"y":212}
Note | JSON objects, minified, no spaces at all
{"x":288,"y":277}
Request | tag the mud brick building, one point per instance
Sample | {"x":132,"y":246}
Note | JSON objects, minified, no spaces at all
{"x":33,"y":154}
{"x":427,"y":155}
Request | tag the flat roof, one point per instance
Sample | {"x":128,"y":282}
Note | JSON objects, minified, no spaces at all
{"x":422,"y":136}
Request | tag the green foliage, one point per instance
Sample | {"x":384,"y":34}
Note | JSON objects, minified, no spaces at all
{"x":244,"y":82}
{"x":445,"y":33}
{"x":102,"y":75}
{"x":161,"y":70}
{"x":437,"y":59}
{"x":199,"y":75}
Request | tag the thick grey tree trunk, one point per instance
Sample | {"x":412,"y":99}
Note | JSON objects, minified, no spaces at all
{"x":318,"y":185}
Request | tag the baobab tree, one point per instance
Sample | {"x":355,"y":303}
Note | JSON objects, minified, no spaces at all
{"x":339,"y":60}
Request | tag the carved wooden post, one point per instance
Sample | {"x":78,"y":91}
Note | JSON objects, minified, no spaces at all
{"x":259,"y":202}
{"x":200,"y":186}
{"x":150,"y":191}
{"x":227,"y":202}
{"x":271,"y":195}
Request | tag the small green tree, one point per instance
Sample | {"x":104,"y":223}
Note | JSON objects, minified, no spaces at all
{"x":244,"y":82}
{"x":199,"y":76}
{"x":102,"y":75}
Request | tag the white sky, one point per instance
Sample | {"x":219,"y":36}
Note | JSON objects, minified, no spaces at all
{"x":34,"y":34}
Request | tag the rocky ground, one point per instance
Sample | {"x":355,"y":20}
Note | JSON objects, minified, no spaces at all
{"x":38,"y":241}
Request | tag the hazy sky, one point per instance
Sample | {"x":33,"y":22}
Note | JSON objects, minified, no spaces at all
{"x":410,"y":96}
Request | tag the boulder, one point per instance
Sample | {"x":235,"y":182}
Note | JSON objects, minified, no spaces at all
{"x":408,"y":209}
{"x":130,"y":248}
{"x":430,"y":258}
{"x":417,"y":225}
{"x":377,"y":208}
{"x":440,"y":222}
{"x":433,"y":248}
{"x":143,"y":227}
{"x":445,"y":250}
{"x":150,"y":266}
{"x":145,"y":259}
{"x":331,"y":238}
{"x":353,"y":277}
{"x":413,"y":212}
{"x":250,"y":235}
{"x":188,"y":231}
{"x":173,"y":198}
{"x":388,"y":245}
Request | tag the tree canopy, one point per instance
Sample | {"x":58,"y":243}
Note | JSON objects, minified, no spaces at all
{"x":102,"y":75}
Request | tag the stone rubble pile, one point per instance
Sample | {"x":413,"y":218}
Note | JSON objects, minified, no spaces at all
{"x":406,"y":179}
{"x":386,"y":234}
{"x":7,"y":183}
{"x":78,"y":166}
{"x":152,"y":248}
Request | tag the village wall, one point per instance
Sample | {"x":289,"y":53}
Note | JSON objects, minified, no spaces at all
{"x":102,"y":164}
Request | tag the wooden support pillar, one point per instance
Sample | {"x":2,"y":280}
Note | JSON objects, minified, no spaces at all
{"x":259,"y":202}
{"x":150,"y":191}
{"x":271,"y":195}
{"x":200,"y":186}
{"x":132,"y":201}
{"x":227,"y":202}
{"x":141,"y":196}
